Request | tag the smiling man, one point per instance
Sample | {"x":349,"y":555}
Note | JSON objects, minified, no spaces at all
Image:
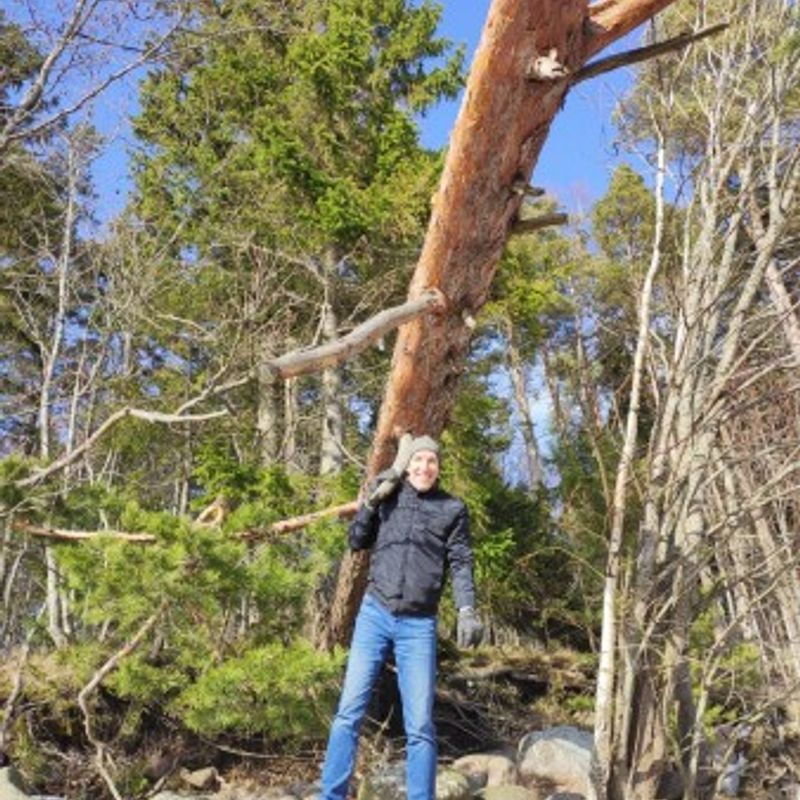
{"x":415,"y":531}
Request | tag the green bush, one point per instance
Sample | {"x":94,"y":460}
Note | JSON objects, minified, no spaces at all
{"x":276,"y":690}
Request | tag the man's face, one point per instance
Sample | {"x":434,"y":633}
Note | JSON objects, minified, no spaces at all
{"x":423,"y":470}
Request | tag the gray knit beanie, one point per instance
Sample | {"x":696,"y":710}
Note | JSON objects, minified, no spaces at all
{"x":424,"y":443}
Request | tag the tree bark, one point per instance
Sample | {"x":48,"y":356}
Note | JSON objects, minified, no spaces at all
{"x":267,"y":419}
{"x":53,"y":598}
{"x":785,"y":308}
{"x":291,"y":414}
{"x":516,"y":369}
{"x":502,"y":125}
{"x":606,"y":672}
{"x":50,"y":360}
{"x":332,"y":433}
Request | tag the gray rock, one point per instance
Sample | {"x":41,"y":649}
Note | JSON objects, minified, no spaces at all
{"x":731,"y":779}
{"x":566,"y":796}
{"x":474,"y":768}
{"x":207,"y":778}
{"x":487,"y":769}
{"x":11,"y":785}
{"x":452,"y":785}
{"x":388,"y":783}
{"x":501,"y":771}
{"x":792,"y":791}
{"x":508,"y":793}
{"x":560,"y":756}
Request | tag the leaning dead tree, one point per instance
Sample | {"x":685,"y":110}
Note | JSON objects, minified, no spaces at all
{"x":529,"y":53}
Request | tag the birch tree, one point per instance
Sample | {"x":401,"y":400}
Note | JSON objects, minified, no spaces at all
{"x":731,"y":126}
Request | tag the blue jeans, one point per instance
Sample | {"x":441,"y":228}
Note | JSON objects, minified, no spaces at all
{"x":414,"y":640}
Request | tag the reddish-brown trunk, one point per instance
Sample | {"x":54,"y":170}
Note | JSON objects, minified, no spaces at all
{"x":503,"y":122}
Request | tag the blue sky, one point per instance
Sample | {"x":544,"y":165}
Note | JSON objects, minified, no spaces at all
{"x":574,"y":167}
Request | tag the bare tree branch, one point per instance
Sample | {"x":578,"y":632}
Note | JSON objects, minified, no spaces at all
{"x":639,"y":54}
{"x":148,"y":416}
{"x":303,"y":362}
{"x":78,"y":536}
{"x":15,"y":129}
{"x":343,"y":511}
{"x":296,"y":362}
{"x":97,"y":678}
{"x":525,"y":226}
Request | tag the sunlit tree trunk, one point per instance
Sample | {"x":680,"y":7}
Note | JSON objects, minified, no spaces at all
{"x":787,"y":311}
{"x":604,"y":695}
{"x":510,"y":101}
{"x":291,"y":413}
{"x":267,"y":413}
{"x":519,"y":384}
{"x":50,"y":358}
{"x":332,"y":433}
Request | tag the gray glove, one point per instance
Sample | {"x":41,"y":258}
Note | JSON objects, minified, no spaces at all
{"x":387,"y":481}
{"x":470,"y":630}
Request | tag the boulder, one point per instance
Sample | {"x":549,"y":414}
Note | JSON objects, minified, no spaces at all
{"x":566,"y":796}
{"x":508,"y":792}
{"x":487,"y":769}
{"x":474,"y":768}
{"x":452,"y":785}
{"x":207,"y":778}
{"x":11,"y":785}
{"x":389,"y":783}
{"x":559,"y":756}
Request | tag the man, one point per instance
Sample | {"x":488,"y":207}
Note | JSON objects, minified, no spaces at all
{"x":414,"y":530}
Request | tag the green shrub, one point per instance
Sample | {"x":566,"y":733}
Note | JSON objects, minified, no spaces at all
{"x":276,"y":690}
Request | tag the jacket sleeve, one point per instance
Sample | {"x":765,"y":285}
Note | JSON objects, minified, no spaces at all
{"x":459,"y":556}
{"x":363,"y":529}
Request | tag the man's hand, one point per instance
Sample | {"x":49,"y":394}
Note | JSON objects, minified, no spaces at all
{"x":403,"y":456}
{"x":384,"y":484}
{"x":387,"y":481}
{"x":470,"y":630}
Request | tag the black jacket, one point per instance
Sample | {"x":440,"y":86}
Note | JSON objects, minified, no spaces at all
{"x":414,"y":536}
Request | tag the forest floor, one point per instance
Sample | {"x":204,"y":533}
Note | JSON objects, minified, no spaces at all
{"x":486,"y":701}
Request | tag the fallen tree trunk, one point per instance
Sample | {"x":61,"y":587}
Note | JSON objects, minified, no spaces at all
{"x":521,"y":73}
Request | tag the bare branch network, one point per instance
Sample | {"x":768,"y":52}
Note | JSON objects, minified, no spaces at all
{"x":302,"y":361}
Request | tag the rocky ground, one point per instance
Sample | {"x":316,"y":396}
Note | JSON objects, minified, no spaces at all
{"x":515,"y":727}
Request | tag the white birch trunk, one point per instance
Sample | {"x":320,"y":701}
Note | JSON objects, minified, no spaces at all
{"x":332,"y":433}
{"x":516,"y":369}
{"x":604,"y":695}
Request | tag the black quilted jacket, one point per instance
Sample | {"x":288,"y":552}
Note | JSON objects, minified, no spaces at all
{"x":414,"y":536}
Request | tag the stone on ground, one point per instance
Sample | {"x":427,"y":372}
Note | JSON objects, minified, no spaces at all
{"x":560,"y":756}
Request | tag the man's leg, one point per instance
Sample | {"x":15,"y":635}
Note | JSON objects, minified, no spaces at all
{"x":415,"y":655}
{"x":368,"y":651}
